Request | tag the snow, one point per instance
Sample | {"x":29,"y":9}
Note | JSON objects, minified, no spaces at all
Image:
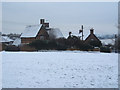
{"x":55,"y":33}
{"x":31,"y":30}
{"x":59,"y":69}
{"x":119,"y":71}
{"x":17,"y":42}
{"x":0,"y":71}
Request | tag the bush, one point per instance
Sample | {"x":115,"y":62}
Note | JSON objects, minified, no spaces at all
{"x":61,"y":44}
{"x":47,"y":45}
{"x":39,"y":44}
{"x":105,"y":49}
{"x":82,"y":46}
{"x":87,"y":47}
{"x":12,"y":48}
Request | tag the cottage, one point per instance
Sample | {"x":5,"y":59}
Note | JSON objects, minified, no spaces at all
{"x":92,"y":39}
{"x":6,"y":40}
{"x":34,"y":32}
{"x":39,"y":32}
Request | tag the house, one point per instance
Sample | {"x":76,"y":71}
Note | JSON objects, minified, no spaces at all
{"x":6,"y":40}
{"x":39,"y":32}
{"x":92,"y":38}
{"x":34,"y":32}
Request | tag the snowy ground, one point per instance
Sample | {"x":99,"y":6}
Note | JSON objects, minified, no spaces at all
{"x":65,"y":69}
{"x":119,"y":70}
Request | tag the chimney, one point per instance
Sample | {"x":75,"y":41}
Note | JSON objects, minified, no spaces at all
{"x":91,"y":31}
{"x":42,"y":21}
{"x":70,"y":34}
{"x":46,"y":24}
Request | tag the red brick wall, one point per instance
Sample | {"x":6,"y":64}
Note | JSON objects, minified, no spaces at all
{"x":27,"y":40}
{"x":42,"y":32}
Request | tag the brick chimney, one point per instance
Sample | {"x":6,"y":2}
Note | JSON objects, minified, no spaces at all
{"x":91,"y":31}
{"x":42,"y":21}
{"x":46,"y":24}
{"x":70,"y":34}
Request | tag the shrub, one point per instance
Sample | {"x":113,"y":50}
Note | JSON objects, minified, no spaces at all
{"x":61,"y":44}
{"x":39,"y":44}
{"x":105,"y":49}
{"x":79,"y":44}
{"x":47,"y":45}
{"x":12,"y":48}
{"x":87,"y":47}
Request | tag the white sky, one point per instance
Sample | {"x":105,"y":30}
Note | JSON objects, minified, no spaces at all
{"x":68,"y":16}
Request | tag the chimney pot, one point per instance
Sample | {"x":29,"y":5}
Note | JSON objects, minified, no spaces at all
{"x":91,"y":31}
{"x":46,"y":24}
{"x":70,"y":33}
{"x":42,"y":21}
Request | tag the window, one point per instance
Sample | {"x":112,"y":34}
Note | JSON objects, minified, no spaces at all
{"x":92,"y":39}
{"x":42,"y":37}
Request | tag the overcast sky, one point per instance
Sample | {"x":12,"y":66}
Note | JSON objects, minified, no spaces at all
{"x":69,"y":16}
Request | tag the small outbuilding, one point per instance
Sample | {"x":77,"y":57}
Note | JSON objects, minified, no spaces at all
{"x":6,"y":40}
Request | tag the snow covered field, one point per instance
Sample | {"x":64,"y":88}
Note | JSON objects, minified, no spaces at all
{"x":66,"y":69}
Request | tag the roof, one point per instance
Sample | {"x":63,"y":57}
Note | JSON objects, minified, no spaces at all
{"x":5,"y":39}
{"x":17,"y":42}
{"x":90,"y":36}
{"x":55,"y":33}
{"x":31,"y":31}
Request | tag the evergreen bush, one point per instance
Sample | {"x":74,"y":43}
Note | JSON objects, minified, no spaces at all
{"x":105,"y":49}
